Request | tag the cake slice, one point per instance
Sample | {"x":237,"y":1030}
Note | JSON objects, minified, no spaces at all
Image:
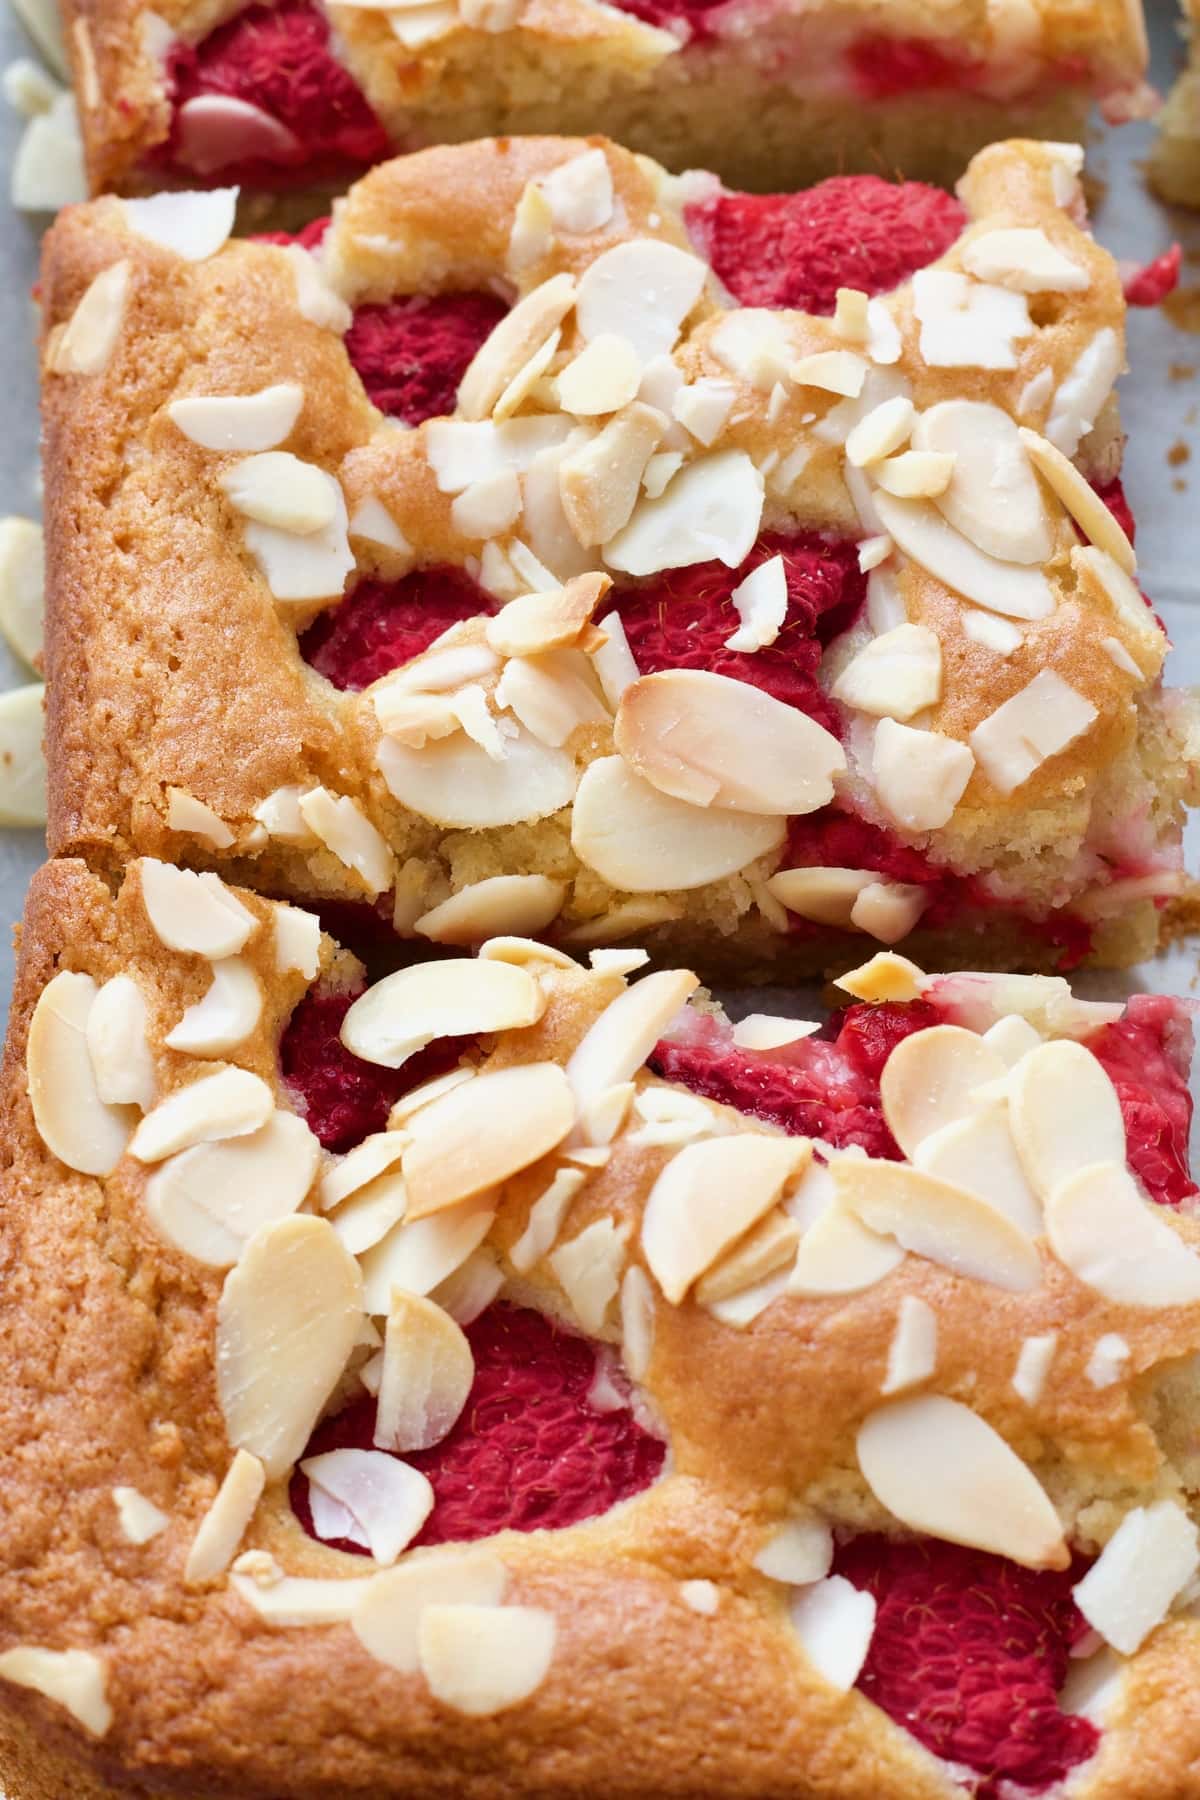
{"x":553,"y":545}
{"x":1175,"y":163}
{"x":293,"y":97}
{"x":494,"y":1376}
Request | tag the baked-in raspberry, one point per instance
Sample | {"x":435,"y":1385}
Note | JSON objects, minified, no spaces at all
{"x":529,"y":1451}
{"x":382,"y":624}
{"x":343,"y":1098}
{"x":682,"y":618}
{"x":1150,"y":285}
{"x":1113,"y":495}
{"x":309,"y":236}
{"x":279,"y":59}
{"x":797,"y":250}
{"x":885,"y":67}
{"x":411,"y":353}
{"x":968,"y":1653}
{"x":693,"y":18}
{"x":1147,"y":1054}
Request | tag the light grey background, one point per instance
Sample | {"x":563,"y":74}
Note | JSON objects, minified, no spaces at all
{"x":1160,"y":402}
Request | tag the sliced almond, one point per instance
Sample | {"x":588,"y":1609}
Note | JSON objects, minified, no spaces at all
{"x":22,"y":584}
{"x":761,"y":603}
{"x":1064,"y":1114}
{"x":1149,"y":1560}
{"x":768,"y":1247}
{"x":711,"y":510}
{"x":797,"y":1552}
{"x":600,"y":481}
{"x":368,"y":1215}
{"x":768,"y":1031}
{"x":74,"y":1679}
{"x":1033,"y":1366}
{"x":894,"y":675}
{"x":297,"y":1600}
{"x":703,"y":407}
{"x":602,"y":378}
{"x":488,"y":507}
{"x":835,"y":1622}
{"x":139,"y":1518}
{"x":641,"y":290}
{"x":886,"y":977}
{"x":228,"y":1104}
{"x":118,"y":1046}
{"x":224,"y":1524}
{"x":510,"y":345}
{"x":297,"y":941}
{"x":342,"y":826}
{"x":838,"y":1254}
{"x":616,"y":1044}
{"x":90,"y":335}
{"x":1011,"y":1038}
{"x":1014,"y":590}
{"x":645,"y":841}
{"x":708,"y":1195}
{"x":225,"y":1017}
{"x":833,"y":371}
{"x":457,"y":784}
{"x":968,"y":324}
{"x":276,"y":488}
{"x":915,"y":474}
{"x":993,"y":497}
{"x":1097,"y":521}
{"x":428,"y":1371}
{"x":978,"y":1153}
{"x":22,"y":762}
{"x":195,"y":817}
{"x":579,"y":192}
{"x":912,"y":1353}
{"x":714,"y":741}
{"x":208,"y":1201}
{"x":589,"y":1268}
{"x":471,"y":1288}
{"x":1109,"y":1237}
{"x":478,"y":1135}
{"x":826,"y":896}
{"x":387,"y":1612}
{"x":74,"y":1123}
{"x":498,"y":905}
{"x":303,"y":565}
{"x":552,"y":694}
{"x":192,"y":224}
{"x":889,"y":910}
{"x":482,"y":1660}
{"x":637,"y":1323}
{"x":389,"y":1501}
{"x":404,"y":1012}
{"x":420,"y":1254}
{"x":1083,"y":391}
{"x":194,"y":913}
{"x":553,"y":621}
{"x":939,"y":1468}
{"x":881,"y":432}
{"x":1023,"y":258}
{"x":936,"y":1220}
{"x":919,"y":776}
{"x":929,"y":1080}
{"x":245,"y":422}
{"x":287,"y":1320}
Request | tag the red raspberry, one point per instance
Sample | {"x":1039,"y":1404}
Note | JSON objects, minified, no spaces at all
{"x":278,"y":58}
{"x":1147,"y":1055}
{"x":885,"y":67}
{"x":968,"y":1654}
{"x":1113,"y":495}
{"x":1149,"y":286}
{"x":381,"y":625}
{"x":796,"y":250}
{"x":681,"y":619}
{"x":529,"y":1451}
{"x":692,"y":18}
{"x":309,"y":237}
{"x":411,"y":353}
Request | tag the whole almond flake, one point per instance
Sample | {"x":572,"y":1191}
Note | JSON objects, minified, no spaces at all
{"x":993,"y":497}
{"x":1148,"y":1561}
{"x":613,"y":660}
{"x":208,"y":1201}
{"x":22,"y":583}
{"x":912,"y":1353}
{"x":404,"y":1012}
{"x":470,"y":1289}
{"x":224,"y":1524}
{"x":456,"y":784}
{"x":526,"y":953}
{"x":603,"y":378}
{"x":886,"y":977}
{"x":188,"y":814}
{"x":74,"y":1123}
{"x":835,"y":1622}
{"x":889,"y":910}
{"x":1113,"y":1241}
{"x":764,"y":1250}
{"x":881,"y":432}
{"x":617,"y":1043}
{"x":228,"y":1104}
{"x":514,"y":340}
{"x":499,"y":904}
{"x":477,"y":1136}
{"x":918,"y":527}
{"x":600,"y":481}
{"x":428,"y":1370}
{"x":644,"y":841}
{"x":826,"y":896}
{"x":525,"y":383}
{"x":939,"y":1468}
{"x":1097,"y":521}
{"x":551,"y":621}
{"x":226,"y":1016}
{"x":387,"y":1612}
{"x":1064,"y":1114}
{"x":239,"y":422}
{"x":627,"y":918}
{"x":618,"y":962}
{"x":1011,"y":1038}
{"x":194,"y":224}
{"x":417,"y":1097}
{"x":1022,"y":257}
{"x":196,"y":914}
{"x":936,"y":1220}
{"x":714,"y":741}
{"x":346,"y":1175}
{"x":709,"y":1194}
{"x":978,"y":1153}
{"x":919,"y":776}
{"x":641,"y":290}
{"x":298,"y":1600}
{"x":710,"y":511}
{"x":420,"y":1254}
{"x":278,"y":489}
{"x":388,"y":1501}
{"x":552,"y":694}
{"x":90,"y":336}
{"x":118,"y":1044}
{"x":482,"y":1660}
{"x":368,"y":1215}
{"x":139,"y":1518}
{"x":929,"y":1080}
{"x":74,"y":1679}
{"x":833,"y":371}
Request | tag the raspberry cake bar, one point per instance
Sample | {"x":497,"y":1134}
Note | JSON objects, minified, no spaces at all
{"x":293,"y":96}
{"x":554,"y":545}
{"x":1175,"y":163}
{"x":513,"y":1377}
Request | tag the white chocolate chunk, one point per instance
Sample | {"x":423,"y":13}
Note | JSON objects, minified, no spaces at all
{"x":1129,"y":1590}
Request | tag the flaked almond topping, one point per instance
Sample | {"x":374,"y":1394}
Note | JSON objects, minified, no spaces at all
{"x":1147,"y":1562}
{"x":315,"y":299}
{"x":579,"y":192}
{"x":1136,"y":619}
{"x":227,"y":1014}
{"x":1093,"y":1686}
{"x":703,"y":408}
{"x":645,"y":841}
{"x":993,"y":496}
{"x":297,"y":1600}
{"x":453,"y":998}
{"x":188,"y":814}
{"x":276,"y":488}
{"x":387,"y":1611}
{"x":307,"y":564}
{"x":417,"y":1097}
{"x":641,"y":290}
{"x":835,"y":1622}
{"x":297,"y":941}
{"x":1021,"y":257}
{"x":488,"y":507}
{"x":373,"y":1157}
{"x":552,"y":694}
{"x":968,"y":324}
{"x":881,"y":432}
{"x":1033,"y":1366}
{"x":939,"y":1468}
{"x":227,"y":1104}
{"x":600,"y":481}
{"x":193,"y":224}
{"x":1110,"y":1238}
{"x":90,"y":336}
{"x":850,"y":315}
{"x":1083,"y":391}
{"x":499,"y":904}
{"x":613,"y":660}
{"x":978,"y":1153}
{"x":440,"y":670}
{"x":481,"y":1660}
{"x":929,"y":1080}
{"x":874,"y":551}
{"x":524,"y":952}
{"x":428,"y":1370}
{"x":797,"y":1552}
{"x":624,"y":919}
{"x":1108,"y":1360}
{"x":915,"y":474}
{"x":1011,"y":1038}
{"x":710,"y":511}
{"x":708,"y":1195}
{"x":637,"y":1322}
{"x":603,"y":378}
{"x":703,"y":1597}
{"x":751,"y":342}
{"x":515,"y":339}
{"x":72,"y":1119}
{"x":244,"y":422}
{"x":589,"y":1268}
{"x":281,"y":817}
{"x":936,"y":1220}
{"x":370,"y":1213}
{"x":886,"y":977}
{"x":208,"y":1201}
{"x":419,"y":1254}
{"x":616,"y":1044}
{"x":342,"y":826}
{"x":552,"y":621}
{"x":22,"y":761}
{"x":603,"y":1116}
{"x":1012,"y":589}
{"x":889,"y":910}
{"x":288,"y":1318}
{"x":1064,"y":1114}
{"x":74,"y":1679}
{"x":122,"y":1062}
{"x":769,"y":1031}
{"x":478,"y":1135}
{"x":663,"y":466}
{"x":761,"y":602}
{"x":455,"y":783}
{"x":993,"y":633}
{"x":826,"y":896}
{"x":22,"y":581}
{"x":139,"y":1518}
{"x":919,"y":776}
{"x":618,"y":962}
{"x":545,"y":1219}
{"x":894,"y":675}
{"x":527,"y":379}
{"x":912,"y":1353}
{"x":713,"y":741}
{"x":224,"y":1524}
{"x":1097,"y":521}
{"x":833,"y":371}
{"x":196,"y":914}
{"x":766,"y":1249}
{"x":372,"y":520}
{"x":470,"y":1289}
{"x":387,"y":1500}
